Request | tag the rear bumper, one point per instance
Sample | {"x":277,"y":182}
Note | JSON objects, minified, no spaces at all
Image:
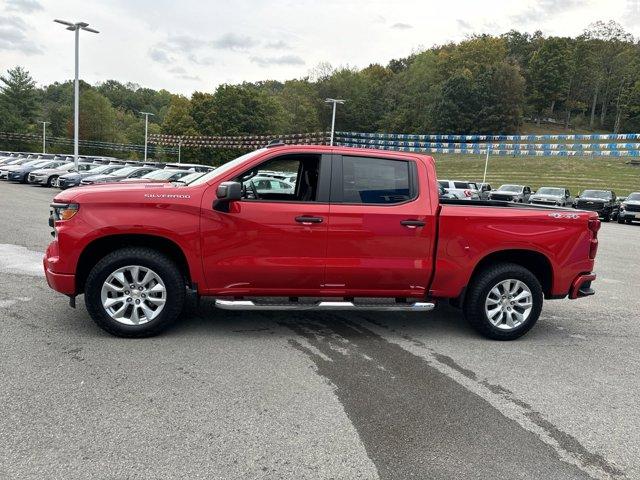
{"x":581,"y":286}
{"x":60,"y":282}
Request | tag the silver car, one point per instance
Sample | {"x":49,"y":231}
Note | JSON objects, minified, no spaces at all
{"x":512,"y":193}
{"x":49,"y":176}
{"x":556,"y":196}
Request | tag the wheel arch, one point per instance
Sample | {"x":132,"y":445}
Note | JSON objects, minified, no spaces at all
{"x":534,"y":261}
{"x":102,"y":246}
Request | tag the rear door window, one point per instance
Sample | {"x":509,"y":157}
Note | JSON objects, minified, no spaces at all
{"x":369,"y":180}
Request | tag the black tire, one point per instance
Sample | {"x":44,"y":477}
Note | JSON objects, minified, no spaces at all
{"x":167,"y":270}
{"x":481,"y":285}
{"x":621,"y":220}
{"x":50,"y":180}
{"x":606,"y":217}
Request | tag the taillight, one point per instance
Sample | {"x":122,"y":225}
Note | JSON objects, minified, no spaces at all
{"x":467,"y":193}
{"x":594,"y":226}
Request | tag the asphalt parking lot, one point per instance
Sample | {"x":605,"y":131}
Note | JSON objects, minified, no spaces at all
{"x":228,"y":395}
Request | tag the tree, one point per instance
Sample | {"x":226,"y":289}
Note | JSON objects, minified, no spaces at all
{"x":549,"y":69}
{"x":178,"y":120}
{"x":18,"y":98}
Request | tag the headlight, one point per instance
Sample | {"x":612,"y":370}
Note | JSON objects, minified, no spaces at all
{"x":64,"y":211}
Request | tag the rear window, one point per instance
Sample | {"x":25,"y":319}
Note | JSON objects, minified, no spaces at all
{"x":375,"y":180}
{"x":461,"y":185}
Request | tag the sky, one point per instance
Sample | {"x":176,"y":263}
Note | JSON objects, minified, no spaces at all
{"x":189,"y":45}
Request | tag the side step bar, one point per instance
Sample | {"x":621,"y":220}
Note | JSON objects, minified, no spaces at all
{"x":396,"y":307}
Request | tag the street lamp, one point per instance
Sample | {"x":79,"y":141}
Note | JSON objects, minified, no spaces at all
{"x":146,"y":131}
{"x":333,"y":119}
{"x":76,"y":27}
{"x":44,"y":136}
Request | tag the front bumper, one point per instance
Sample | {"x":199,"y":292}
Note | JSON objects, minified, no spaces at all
{"x":625,"y":215}
{"x":38,"y":180}
{"x":581,"y":286}
{"x":60,"y":282}
{"x":63,"y":184}
{"x":15,"y":177}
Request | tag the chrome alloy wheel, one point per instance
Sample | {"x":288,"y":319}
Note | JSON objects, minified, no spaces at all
{"x":133,"y":295}
{"x":508,"y":304}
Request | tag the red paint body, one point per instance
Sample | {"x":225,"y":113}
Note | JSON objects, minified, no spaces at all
{"x":358,"y":250}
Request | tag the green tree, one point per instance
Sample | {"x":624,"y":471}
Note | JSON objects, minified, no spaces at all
{"x":549,"y":73}
{"x":18,"y":98}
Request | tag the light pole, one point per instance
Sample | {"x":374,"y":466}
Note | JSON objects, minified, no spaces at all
{"x":333,"y":118}
{"x":44,"y":136}
{"x":146,"y":131}
{"x":179,"y":148}
{"x":76,"y":27}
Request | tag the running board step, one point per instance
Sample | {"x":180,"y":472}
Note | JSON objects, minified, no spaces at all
{"x":325,"y":305}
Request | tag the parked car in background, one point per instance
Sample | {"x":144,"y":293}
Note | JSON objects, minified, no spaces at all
{"x":629,"y":209}
{"x":164,"y":175}
{"x":461,"y":189}
{"x":190,"y":178}
{"x":73,"y":179}
{"x":121,"y":174}
{"x":552,"y":196}
{"x":604,"y":202}
{"x":49,"y":176}
{"x":511,"y":193}
{"x":194,"y":167}
{"x":21,"y":174}
{"x":5,"y":169}
{"x":442,"y":193}
{"x":484,"y":189}
{"x":270,"y":185}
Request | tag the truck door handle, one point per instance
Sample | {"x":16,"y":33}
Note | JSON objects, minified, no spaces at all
{"x":307,"y":219}
{"x":412,"y":223}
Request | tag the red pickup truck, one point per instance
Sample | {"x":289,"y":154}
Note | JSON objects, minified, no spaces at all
{"x":358,"y":230}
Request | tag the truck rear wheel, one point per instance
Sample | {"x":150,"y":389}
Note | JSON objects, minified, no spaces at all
{"x":503,"y":301}
{"x":134,"y":292}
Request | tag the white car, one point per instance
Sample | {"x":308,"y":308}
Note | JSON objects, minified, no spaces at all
{"x":271,"y":185}
{"x":461,"y":189}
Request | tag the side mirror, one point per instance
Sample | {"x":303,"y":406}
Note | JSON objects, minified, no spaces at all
{"x":229,"y":191}
{"x":226,"y":193}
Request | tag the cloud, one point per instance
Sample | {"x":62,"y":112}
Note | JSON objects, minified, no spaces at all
{"x":463,"y":25}
{"x":161,"y":56}
{"x":545,"y":9}
{"x":281,"y":60}
{"x":14,"y":37}
{"x":401,"y":26}
{"x":181,"y":72}
{"x":277,"y":45}
{"x":232,"y":41}
{"x":24,"y":6}
{"x":185,"y":43}
{"x":201,"y":60}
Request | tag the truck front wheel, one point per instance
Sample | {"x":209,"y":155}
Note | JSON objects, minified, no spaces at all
{"x":134,"y":292}
{"x":503,"y":301}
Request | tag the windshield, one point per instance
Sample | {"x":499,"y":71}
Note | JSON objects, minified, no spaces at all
{"x":596,"y":194}
{"x":126,"y":170}
{"x":510,"y":188}
{"x":634,"y":197}
{"x":225,"y":168}
{"x":190,"y":177}
{"x":160,"y":174}
{"x":556,"y":192}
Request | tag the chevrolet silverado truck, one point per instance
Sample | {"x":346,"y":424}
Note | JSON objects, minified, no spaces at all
{"x":362,"y":230}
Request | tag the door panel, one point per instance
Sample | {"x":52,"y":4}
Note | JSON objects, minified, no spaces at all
{"x":260,"y":248}
{"x":270,"y":246}
{"x":383,"y":250}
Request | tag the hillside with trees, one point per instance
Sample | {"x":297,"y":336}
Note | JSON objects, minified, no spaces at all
{"x":483,"y":84}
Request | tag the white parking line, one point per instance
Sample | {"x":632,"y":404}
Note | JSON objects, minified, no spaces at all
{"x":20,"y":260}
